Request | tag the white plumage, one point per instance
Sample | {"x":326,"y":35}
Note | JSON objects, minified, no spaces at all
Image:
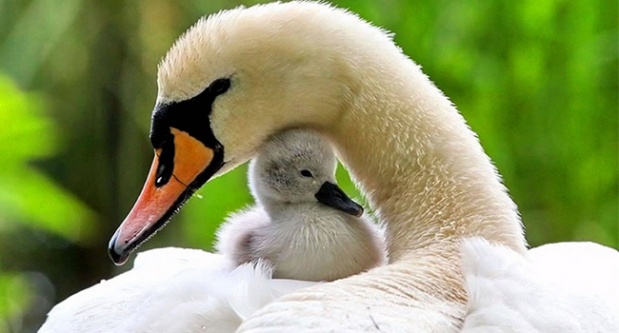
{"x":171,"y":290}
{"x":563,"y":287}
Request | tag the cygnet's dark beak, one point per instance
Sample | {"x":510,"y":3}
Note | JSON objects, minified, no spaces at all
{"x":333,"y":196}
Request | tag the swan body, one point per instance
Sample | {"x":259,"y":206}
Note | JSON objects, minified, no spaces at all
{"x":171,"y":290}
{"x":563,"y":287}
{"x":304,"y":225}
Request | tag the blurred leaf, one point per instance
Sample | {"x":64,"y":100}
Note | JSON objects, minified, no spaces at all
{"x":26,"y":132}
{"x":49,"y":20}
{"x":29,"y":197}
{"x":14,"y":299}
{"x":26,"y":195}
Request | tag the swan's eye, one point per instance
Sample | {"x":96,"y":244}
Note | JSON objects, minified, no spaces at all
{"x":166,"y":162}
{"x":306,"y":173}
{"x":219,"y":86}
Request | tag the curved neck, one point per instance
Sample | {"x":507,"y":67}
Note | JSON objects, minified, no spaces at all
{"x":421,"y":167}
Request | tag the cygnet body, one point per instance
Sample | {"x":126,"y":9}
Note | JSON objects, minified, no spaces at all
{"x":303,"y":223}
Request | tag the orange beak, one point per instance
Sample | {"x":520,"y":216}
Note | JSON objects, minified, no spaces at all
{"x":193,"y":164}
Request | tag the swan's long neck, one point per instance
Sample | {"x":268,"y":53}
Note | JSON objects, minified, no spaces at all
{"x":420,"y":165}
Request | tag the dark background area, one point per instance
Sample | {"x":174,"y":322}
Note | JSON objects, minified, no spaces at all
{"x":537,"y":80}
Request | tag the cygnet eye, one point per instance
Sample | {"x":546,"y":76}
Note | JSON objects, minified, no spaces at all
{"x":306,"y":173}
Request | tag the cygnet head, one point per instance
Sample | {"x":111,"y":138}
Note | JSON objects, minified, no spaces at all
{"x":295,"y":167}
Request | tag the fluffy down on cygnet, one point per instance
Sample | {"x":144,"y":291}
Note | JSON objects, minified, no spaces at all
{"x":302,"y":223}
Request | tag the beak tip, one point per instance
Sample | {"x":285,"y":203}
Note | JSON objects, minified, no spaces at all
{"x":116,"y":253}
{"x":118,"y":259}
{"x":359,"y":212}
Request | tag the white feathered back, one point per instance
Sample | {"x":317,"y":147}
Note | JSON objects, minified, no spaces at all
{"x":508,"y":293}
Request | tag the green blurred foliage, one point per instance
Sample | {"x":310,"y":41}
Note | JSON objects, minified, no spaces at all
{"x":27,"y":195}
{"x":15,"y":296}
{"x":537,"y":80}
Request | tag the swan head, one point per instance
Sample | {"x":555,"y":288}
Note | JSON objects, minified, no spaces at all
{"x":228,"y":84}
{"x":295,"y":167}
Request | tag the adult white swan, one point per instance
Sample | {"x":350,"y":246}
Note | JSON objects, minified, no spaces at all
{"x":242,"y":75}
{"x":236,"y":78}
